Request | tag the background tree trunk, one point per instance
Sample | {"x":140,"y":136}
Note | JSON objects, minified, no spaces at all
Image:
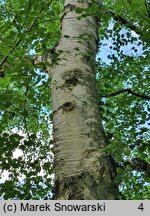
{"x":82,"y":171}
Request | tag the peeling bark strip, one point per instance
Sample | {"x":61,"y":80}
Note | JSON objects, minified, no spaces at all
{"x":81,"y":171}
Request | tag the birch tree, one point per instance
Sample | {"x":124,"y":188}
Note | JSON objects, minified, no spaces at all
{"x":82,"y":170}
{"x":98,"y":109}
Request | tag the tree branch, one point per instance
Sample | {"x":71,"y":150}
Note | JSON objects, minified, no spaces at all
{"x":139,"y":164}
{"x":125,"y":22}
{"x":129,"y":91}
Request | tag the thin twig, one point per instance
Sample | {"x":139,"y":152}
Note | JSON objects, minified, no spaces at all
{"x":129,"y":91}
{"x":126,"y":22}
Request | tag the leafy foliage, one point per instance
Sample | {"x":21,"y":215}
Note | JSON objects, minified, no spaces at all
{"x":125,"y":116}
{"x":25,"y":97}
{"x":33,"y":27}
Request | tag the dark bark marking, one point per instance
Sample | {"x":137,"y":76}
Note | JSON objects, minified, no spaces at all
{"x":72,"y":78}
{"x":82,"y":186}
{"x":67,"y":106}
{"x":76,"y":185}
{"x":71,"y":81}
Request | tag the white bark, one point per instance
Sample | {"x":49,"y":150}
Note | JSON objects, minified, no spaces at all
{"x":78,"y":133}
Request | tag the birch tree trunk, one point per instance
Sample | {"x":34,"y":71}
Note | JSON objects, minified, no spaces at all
{"x":82,"y":171}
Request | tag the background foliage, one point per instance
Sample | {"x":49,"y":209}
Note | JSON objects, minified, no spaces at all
{"x":33,"y":27}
